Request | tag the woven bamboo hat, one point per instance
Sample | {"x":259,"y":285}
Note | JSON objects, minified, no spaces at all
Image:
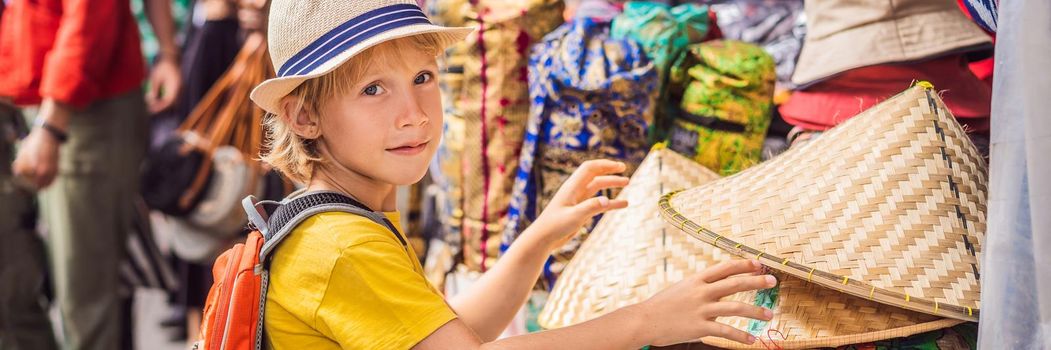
{"x":631,"y":253}
{"x":310,"y":38}
{"x":807,"y":316}
{"x":887,"y":206}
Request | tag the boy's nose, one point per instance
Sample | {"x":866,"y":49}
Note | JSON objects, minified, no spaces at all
{"x":412,"y":114}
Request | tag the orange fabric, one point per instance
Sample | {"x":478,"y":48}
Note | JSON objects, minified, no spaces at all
{"x":75,"y":51}
{"x":232,"y":308}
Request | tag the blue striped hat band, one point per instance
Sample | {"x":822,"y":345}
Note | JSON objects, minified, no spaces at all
{"x":350,"y":33}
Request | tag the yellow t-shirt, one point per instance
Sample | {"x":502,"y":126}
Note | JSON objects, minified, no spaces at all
{"x":342,"y":281}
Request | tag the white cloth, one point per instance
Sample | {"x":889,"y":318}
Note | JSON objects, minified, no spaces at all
{"x":1016,"y":265}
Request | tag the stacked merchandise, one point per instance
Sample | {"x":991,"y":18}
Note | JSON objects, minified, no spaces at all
{"x":664,"y":32}
{"x":725,"y":107}
{"x":778,"y":26}
{"x":858,"y":54}
{"x":875,"y":227}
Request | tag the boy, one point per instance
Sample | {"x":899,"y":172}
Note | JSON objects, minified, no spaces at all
{"x":356,"y":110}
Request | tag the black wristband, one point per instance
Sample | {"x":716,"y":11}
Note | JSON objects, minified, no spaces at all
{"x":59,"y":135}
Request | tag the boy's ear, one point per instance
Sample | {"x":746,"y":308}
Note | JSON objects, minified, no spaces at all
{"x":303,"y":123}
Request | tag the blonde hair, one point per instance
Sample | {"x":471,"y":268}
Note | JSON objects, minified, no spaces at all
{"x":297,"y":157}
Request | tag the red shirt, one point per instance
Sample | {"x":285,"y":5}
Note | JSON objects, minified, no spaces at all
{"x":74,"y":51}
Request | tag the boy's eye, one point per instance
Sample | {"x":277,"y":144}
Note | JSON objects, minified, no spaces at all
{"x":423,"y":78}
{"x":373,"y":90}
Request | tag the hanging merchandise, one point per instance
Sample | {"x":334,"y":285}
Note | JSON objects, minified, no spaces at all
{"x":778,"y":26}
{"x":592,"y":97}
{"x":888,"y":207}
{"x":491,"y":98}
{"x":726,"y":104}
{"x":446,"y":171}
{"x":664,"y":32}
{"x":632,"y":254}
{"x":416,"y":202}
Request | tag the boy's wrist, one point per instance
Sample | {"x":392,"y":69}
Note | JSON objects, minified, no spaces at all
{"x":533,"y":240}
{"x":541,"y":237}
{"x":637,"y":319}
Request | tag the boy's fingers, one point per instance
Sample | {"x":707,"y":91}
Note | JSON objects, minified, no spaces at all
{"x":736,"y":308}
{"x":723,"y":331}
{"x":601,"y":204}
{"x":583,"y":176}
{"x":729,"y":268}
{"x":729,"y":286}
{"x":596,"y":167}
{"x":603,"y":166}
{"x":603,"y":182}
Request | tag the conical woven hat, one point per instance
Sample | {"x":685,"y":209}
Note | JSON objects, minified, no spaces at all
{"x":632,"y":254}
{"x":888,"y":206}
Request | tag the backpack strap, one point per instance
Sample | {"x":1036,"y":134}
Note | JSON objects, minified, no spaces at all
{"x":276,"y":227}
{"x":289,"y":215}
{"x":257,"y":217}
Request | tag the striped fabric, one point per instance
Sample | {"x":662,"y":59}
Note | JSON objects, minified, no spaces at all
{"x":350,"y":33}
{"x":982,"y":12}
{"x":145,"y":266}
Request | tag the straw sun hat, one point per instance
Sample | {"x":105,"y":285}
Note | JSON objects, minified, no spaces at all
{"x":310,"y":38}
{"x":888,"y":207}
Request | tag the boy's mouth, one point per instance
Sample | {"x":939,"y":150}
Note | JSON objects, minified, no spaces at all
{"x":409,"y":149}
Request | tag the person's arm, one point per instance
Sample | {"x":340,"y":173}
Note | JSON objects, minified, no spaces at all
{"x":37,"y":158}
{"x":684,"y":312}
{"x":83,"y":49}
{"x":83,"y":45}
{"x":492,"y":302}
{"x":165,"y":77}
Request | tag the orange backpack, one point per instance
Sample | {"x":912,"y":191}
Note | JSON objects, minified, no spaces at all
{"x":233,"y":313}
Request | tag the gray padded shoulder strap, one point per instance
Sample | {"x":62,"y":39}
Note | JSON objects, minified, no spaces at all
{"x":294,"y":211}
{"x":256,"y":216}
{"x":288,"y":227}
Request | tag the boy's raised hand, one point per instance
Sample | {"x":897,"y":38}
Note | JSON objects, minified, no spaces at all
{"x":686,"y":311}
{"x":575,"y":202}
